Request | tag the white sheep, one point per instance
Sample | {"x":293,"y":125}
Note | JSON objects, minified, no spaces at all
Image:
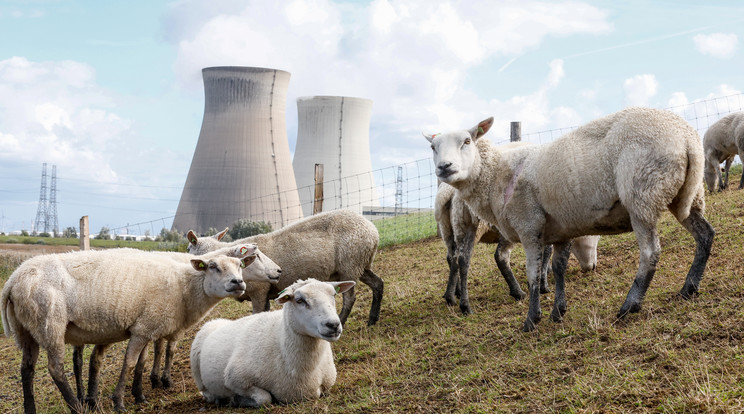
{"x":106,"y":296}
{"x":330,"y":246}
{"x":721,"y":142}
{"x":260,"y":269}
{"x":283,"y":355}
{"x":460,"y":229}
{"x":615,"y":174}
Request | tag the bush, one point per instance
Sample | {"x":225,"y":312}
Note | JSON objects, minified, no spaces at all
{"x":70,"y":233}
{"x":45,"y":234}
{"x":246,"y":228}
{"x":171,"y":236}
{"x":24,"y":233}
{"x":104,"y":234}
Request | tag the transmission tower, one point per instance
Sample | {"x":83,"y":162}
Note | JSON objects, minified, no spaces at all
{"x":41,"y":212}
{"x":52,"y":209}
{"x":399,"y":191}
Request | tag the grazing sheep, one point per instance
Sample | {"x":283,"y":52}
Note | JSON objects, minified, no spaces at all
{"x":613,"y":175}
{"x":262,"y":268}
{"x":283,"y":355}
{"x":106,"y":296}
{"x":721,"y":142}
{"x":331,"y":246}
{"x":460,"y":229}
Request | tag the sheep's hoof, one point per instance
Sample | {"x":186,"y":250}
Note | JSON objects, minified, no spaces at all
{"x":557,"y":314}
{"x":155,"y":381}
{"x":628,"y":308}
{"x":92,"y":403}
{"x":688,"y":291}
{"x":544,"y":289}
{"x":119,"y":406}
{"x":140,"y":399}
{"x":518,"y":295}
{"x":529,"y":326}
{"x":465,"y":309}
{"x":449,"y":300}
{"x":166,"y":382}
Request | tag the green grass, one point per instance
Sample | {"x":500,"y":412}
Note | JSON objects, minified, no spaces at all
{"x":105,"y":244}
{"x":406,"y":228}
{"x":675,"y":356}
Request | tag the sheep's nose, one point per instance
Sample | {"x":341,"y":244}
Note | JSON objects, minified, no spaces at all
{"x":333,"y":325}
{"x":279,"y":271}
{"x":445,"y":165}
{"x":236,"y":281}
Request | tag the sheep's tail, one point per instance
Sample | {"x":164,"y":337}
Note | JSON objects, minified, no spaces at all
{"x":6,"y":312}
{"x":689,"y":194}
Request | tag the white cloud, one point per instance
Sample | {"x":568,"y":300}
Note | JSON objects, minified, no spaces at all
{"x":54,"y":112}
{"x":719,"y":45}
{"x":640,"y":89}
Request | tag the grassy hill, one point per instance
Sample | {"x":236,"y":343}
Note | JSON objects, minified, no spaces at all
{"x":423,"y":356}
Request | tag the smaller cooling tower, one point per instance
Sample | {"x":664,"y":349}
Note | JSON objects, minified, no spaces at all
{"x":334,"y":131}
{"x":241,"y":167}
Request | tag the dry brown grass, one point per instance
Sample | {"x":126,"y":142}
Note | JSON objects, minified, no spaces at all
{"x":674,"y":356}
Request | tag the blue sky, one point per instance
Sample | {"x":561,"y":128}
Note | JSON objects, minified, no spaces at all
{"x":111,"y":92}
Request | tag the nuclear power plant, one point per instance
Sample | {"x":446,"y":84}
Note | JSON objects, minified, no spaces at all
{"x":241,"y":166}
{"x":334,"y":131}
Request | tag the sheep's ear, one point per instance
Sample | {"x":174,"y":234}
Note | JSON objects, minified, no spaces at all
{"x":481,"y":129}
{"x":243,"y":250}
{"x":246,"y":261}
{"x":342,"y":287}
{"x":429,"y":137}
{"x":192,"y":237}
{"x":285,"y":296}
{"x":221,"y":234}
{"x":199,"y":265}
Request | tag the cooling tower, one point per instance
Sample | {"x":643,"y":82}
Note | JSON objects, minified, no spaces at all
{"x":241,"y":166}
{"x":334,"y":131}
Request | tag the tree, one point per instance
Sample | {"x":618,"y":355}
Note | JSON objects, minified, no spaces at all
{"x":24,"y":233}
{"x":170,"y":236}
{"x":70,"y":233}
{"x":246,"y":228}
{"x":104,"y":234}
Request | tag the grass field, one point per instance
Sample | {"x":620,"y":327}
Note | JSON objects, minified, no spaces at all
{"x":423,"y":356}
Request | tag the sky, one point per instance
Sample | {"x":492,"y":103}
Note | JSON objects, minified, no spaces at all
{"x":111,"y":92}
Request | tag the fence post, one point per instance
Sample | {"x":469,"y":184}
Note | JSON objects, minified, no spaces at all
{"x":84,"y":234}
{"x":318,"y":200}
{"x":516,"y":131}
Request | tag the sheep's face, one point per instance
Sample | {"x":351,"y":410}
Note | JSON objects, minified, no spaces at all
{"x":454,"y":152}
{"x":262,"y":269}
{"x":310,"y":308}
{"x":223,"y":276}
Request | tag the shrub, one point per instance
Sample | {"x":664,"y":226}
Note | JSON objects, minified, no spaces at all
{"x":246,"y":228}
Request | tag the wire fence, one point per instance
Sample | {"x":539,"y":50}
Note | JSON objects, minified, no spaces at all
{"x":400,"y":199}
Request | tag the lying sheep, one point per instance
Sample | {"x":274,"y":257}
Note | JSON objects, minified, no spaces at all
{"x":106,"y":296}
{"x":331,"y":246}
{"x":616,"y":174}
{"x":283,"y":355}
{"x":261,"y":268}
{"x":721,"y":142}
{"x":460,"y":229}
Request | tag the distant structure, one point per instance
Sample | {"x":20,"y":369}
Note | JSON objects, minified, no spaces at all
{"x":334,"y":131}
{"x":46,"y":212}
{"x":241,"y":166}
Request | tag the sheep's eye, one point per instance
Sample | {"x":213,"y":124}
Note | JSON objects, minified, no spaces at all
{"x":300,"y":301}
{"x":213,"y":266}
{"x":467,"y":141}
{"x":432,"y":148}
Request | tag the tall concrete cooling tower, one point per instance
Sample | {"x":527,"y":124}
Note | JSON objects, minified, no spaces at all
{"x":334,"y":131}
{"x":241,"y":166}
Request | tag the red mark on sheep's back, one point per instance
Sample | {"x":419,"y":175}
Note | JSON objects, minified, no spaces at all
{"x":509,"y":191}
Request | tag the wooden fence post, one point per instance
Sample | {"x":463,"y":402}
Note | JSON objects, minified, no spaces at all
{"x":516,"y":131}
{"x":318,"y":200}
{"x":84,"y":234}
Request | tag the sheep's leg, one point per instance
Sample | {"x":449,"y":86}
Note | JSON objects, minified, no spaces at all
{"x":501,"y":256}
{"x":544,"y":288}
{"x":453,"y":287}
{"x":56,"y":362}
{"x":703,"y":233}
{"x":721,"y":184}
{"x":157,"y":356}
{"x":464,"y":252}
{"x":136,"y":344}
{"x":741,"y":157}
{"x":28,"y":367}
{"x":560,"y":262}
{"x":139,"y":368}
{"x":349,"y":297}
{"x":377,"y":285}
{"x":726,"y":166}
{"x":253,"y":397}
{"x":534,"y":252}
{"x":77,"y":367}
{"x":95,"y":366}
{"x":170,"y":350}
{"x":648,"y":244}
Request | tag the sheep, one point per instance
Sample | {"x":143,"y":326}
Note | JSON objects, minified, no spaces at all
{"x":615,"y":174}
{"x":106,"y":296}
{"x":261,"y":268}
{"x":460,"y":229}
{"x":722,"y":141}
{"x":283,"y":355}
{"x":330,"y":246}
